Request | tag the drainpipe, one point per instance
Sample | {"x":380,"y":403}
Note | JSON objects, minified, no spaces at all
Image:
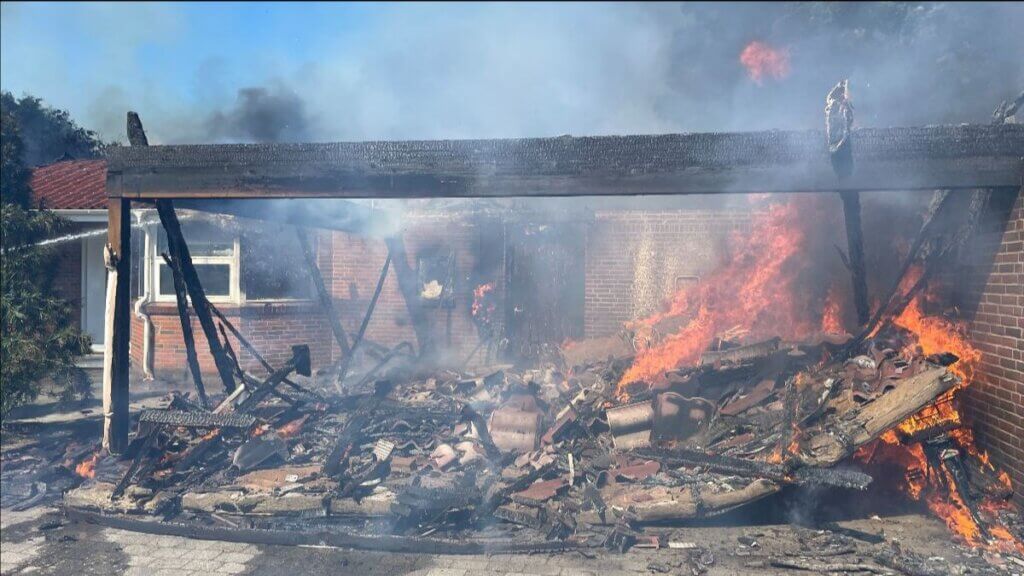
{"x":141,"y":314}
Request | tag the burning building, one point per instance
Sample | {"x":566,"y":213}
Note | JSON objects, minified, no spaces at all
{"x":574,"y":367}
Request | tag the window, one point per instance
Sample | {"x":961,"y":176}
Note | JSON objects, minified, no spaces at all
{"x":273,"y":265}
{"x":213,"y":252}
{"x":252,"y":265}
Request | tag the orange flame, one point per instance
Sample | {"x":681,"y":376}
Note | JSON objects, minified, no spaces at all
{"x":762,"y":60}
{"x":832,"y":317}
{"x":922,"y":481}
{"x":478,"y":299}
{"x":87,"y":468}
{"x":292,"y":428}
{"x":754,"y":291}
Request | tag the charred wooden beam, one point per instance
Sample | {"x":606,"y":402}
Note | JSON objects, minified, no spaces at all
{"x":952,"y":157}
{"x":855,"y":255}
{"x":255,"y":353}
{"x":181,"y":298}
{"x":326,"y":300}
{"x":410,"y":293}
{"x":299,"y":363}
{"x":179,"y":251}
{"x":117,"y":256}
{"x":347,"y":361}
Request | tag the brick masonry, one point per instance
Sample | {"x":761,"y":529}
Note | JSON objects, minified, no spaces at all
{"x":636,"y":259}
{"x":992,"y":294}
{"x":67,"y":281}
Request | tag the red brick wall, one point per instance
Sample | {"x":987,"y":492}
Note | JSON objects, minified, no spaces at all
{"x":636,"y":258}
{"x":355,"y":269}
{"x":993,"y":291}
{"x":272,"y":329}
{"x":67,"y":282}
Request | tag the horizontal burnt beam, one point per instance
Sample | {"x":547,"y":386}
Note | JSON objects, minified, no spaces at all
{"x":967,"y":156}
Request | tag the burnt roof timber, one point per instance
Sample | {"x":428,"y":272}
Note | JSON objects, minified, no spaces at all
{"x":964,"y":156}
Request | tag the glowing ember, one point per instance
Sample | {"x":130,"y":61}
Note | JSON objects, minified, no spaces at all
{"x":832,"y":317}
{"x":763,"y":61}
{"x":479,"y":302}
{"x":87,"y":468}
{"x":924,"y":480}
{"x":292,"y":428}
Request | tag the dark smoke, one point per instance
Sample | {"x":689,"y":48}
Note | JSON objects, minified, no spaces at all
{"x":261,"y":115}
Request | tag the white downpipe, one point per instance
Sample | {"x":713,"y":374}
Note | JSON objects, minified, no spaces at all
{"x":147,"y":322}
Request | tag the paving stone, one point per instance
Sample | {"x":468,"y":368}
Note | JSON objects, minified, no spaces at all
{"x":446,"y":572}
{"x":203,"y":566}
{"x":236,"y":557}
{"x":231,"y":568}
{"x":204,"y":554}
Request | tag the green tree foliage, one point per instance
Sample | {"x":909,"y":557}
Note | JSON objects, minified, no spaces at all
{"x":38,"y":338}
{"x":48,"y":134}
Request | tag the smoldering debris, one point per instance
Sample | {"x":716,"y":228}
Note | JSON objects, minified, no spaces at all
{"x":559,"y":456}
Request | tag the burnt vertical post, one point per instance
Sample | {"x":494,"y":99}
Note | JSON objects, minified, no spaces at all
{"x":181,"y":298}
{"x":326,"y":300}
{"x":117,"y":320}
{"x":181,"y":256}
{"x":855,"y":252}
{"x":410,"y":293}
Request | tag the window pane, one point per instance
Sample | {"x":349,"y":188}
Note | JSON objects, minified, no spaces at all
{"x":202,"y":238}
{"x":273,"y":265}
{"x":215,"y":278}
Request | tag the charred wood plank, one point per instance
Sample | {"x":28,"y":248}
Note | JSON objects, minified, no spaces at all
{"x":298,"y":363}
{"x":117,"y":320}
{"x":966,"y":156}
{"x":347,"y":360}
{"x":325,"y":297}
{"x":255,"y":353}
{"x":407,"y":286}
{"x":855,"y":254}
{"x":181,"y":299}
{"x":197,"y":419}
{"x":141,"y":455}
{"x":180,"y":253}
{"x":740,"y":354}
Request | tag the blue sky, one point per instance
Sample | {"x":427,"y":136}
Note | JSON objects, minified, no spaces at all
{"x":464,"y":70}
{"x":71,"y":54}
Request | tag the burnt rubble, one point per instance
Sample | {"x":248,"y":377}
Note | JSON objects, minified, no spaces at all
{"x":555,"y":457}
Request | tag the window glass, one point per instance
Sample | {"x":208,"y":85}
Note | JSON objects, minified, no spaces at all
{"x":273,"y":264}
{"x":203,"y":240}
{"x":215,"y":278}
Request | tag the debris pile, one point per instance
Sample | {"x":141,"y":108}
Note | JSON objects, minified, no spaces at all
{"x":560,"y":456}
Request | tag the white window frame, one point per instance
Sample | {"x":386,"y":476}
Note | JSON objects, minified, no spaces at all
{"x":236,"y":293}
{"x":154,"y":261}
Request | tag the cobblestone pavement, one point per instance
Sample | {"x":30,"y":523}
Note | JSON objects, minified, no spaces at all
{"x":42,"y":542}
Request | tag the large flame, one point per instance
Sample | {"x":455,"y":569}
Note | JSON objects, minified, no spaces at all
{"x":936,"y":485}
{"x":764,"y":61}
{"x":753,"y":291}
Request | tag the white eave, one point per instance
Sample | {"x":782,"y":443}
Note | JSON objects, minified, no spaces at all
{"x":83,"y":215}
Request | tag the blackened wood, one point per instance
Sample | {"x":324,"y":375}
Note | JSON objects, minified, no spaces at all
{"x":325,"y":297}
{"x":953,"y":157}
{"x":940,"y":200}
{"x":136,"y":461}
{"x":255,"y":353}
{"x":181,"y":298}
{"x":346,"y":362}
{"x":407,"y":285}
{"x":136,"y":134}
{"x":180,"y":253}
{"x":118,"y":326}
{"x":855,"y":252}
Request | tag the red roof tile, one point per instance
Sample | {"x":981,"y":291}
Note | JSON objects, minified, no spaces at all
{"x":72,"y":184}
